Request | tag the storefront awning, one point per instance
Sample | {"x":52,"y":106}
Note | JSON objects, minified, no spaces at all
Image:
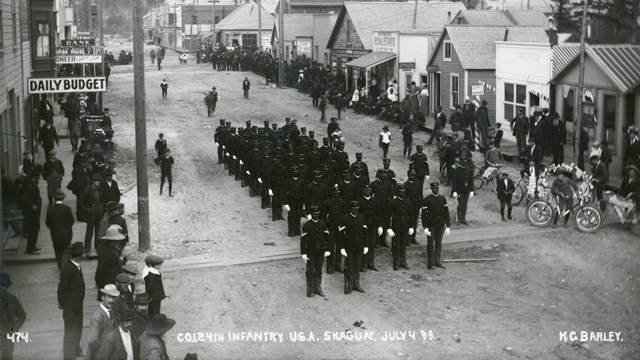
{"x":371,"y":59}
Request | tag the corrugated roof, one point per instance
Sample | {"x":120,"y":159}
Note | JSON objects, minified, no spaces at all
{"x":245,"y":17}
{"x":475,"y":45}
{"x":619,"y":62}
{"x":563,"y":55}
{"x":504,"y":18}
{"x":368,"y":17}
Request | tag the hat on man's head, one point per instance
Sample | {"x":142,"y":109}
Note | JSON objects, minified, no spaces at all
{"x":111,"y":290}
{"x":77,"y":248}
{"x":26,"y":153}
{"x":123,"y":278}
{"x":484,"y":102}
{"x":130,"y":267}
{"x":53,"y":153}
{"x":435,"y":185}
{"x":5,"y":279}
{"x":96,"y":177}
{"x":632,"y":167}
{"x":142,"y":299}
{"x":386,"y":161}
{"x":113,"y":233}
{"x":159,"y":325}
{"x":153,"y":260}
{"x":353,"y":204}
{"x":315,"y":208}
{"x":127,"y":315}
{"x":59,"y":195}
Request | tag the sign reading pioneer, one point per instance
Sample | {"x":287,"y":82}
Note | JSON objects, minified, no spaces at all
{"x":66,"y":85}
{"x":385,"y":41}
{"x":78,"y":42}
{"x":78,"y":59}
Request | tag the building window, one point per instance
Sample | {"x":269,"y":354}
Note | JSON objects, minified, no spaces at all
{"x":43,"y":39}
{"x":567,"y":109}
{"x":326,"y":59}
{"x":348,"y":27}
{"x":448,"y":49}
{"x":194,"y":19}
{"x":408,"y":78}
{"x":249,"y":39}
{"x":515,"y":97}
{"x":172,"y":19}
{"x":1,"y":32}
{"x":454,"y":99}
{"x":609,"y":120}
{"x":157,"y":22}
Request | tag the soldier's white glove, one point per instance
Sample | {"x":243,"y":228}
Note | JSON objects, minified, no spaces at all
{"x":248,"y":173}
{"x":217,"y":144}
{"x":227,"y":154}
{"x":327,"y":253}
{"x":305,"y":257}
{"x":234,"y":157}
{"x":260,"y":180}
{"x":309,"y":217}
{"x":411,"y":231}
{"x":471,"y":194}
{"x":455,"y":195}
{"x":391,"y":233}
{"x":241,"y":163}
{"x":447,"y":231}
{"x":366,"y":250}
{"x":343,"y":252}
{"x":270,"y":192}
{"x":287,"y":207}
{"x":427,"y":177}
{"x":380,"y":230}
{"x":426,"y":231}
{"x":224,"y":147}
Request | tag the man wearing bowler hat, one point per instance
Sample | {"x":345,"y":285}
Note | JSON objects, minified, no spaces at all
{"x":60,"y":220}
{"x":13,"y":317}
{"x":125,"y":299}
{"x":120,"y":343}
{"x":109,"y":190}
{"x":70,"y":300}
{"x":141,"y":306}
{"x":436,"y":223}
{"x":152,"y":345}
{"x":90,"y":211}
{"x":352,"y":242}
{"x":102,"y":321}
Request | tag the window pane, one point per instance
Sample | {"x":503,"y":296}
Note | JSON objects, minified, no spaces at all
{"x":508,"y":92}
{"x":447,"y":50}
{"x":521,"y":94}
{"x":567,"y":111}
{"x":454,"y":99}
{"x":610,"y":119}
{"x":508,"y":112}
{"x":454,"y":84}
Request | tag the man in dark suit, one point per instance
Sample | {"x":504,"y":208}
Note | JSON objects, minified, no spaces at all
{"x":505,"y":189}
{"x":533,"y":153}
{"x":462,"y":187}
{"x":161,"y":145}
{"x":352,"y":242}
{"x":13,"y":317}
{"x":70,"y":298}
{"x":109,"y":190}
{"x":120,"y":343}
{"x":520,"y":128}
{"x":60,"y":221}
{"x":440,"y":120}
{"x":32,"y":206}
{"x":90,"y":210}
{"x":600,"y":179}
{"x":558,"y":138}
{"x":52,"y":173}
{"x":102,"y":321}
{"x":632,"y":156}
{"x":469,"y":111}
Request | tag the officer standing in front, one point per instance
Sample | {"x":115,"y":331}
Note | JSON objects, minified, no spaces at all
{"x":400,"y":229}
{"x":313,"y":247}
{"x":420,"y":165}
{"x":352,"y":238}
{"x":436,"y":223}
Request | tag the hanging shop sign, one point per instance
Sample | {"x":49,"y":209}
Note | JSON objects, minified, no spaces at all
{"x":78,"y":59}
{"x":78,"y":50}
{"x":385,"y":41}
{"x":67,"y":85}
{"x":78,"y":42}
{"x":407,"y":66}
{"x":477,"y":90}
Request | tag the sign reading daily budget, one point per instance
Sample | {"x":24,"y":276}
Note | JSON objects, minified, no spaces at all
{"x":67,"y":85}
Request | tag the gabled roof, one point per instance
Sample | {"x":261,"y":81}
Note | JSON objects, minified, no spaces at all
{"x":245,"y":17}
{"x":368,"y":17}
{"x":503,"y":18}
{"x":620,"y":63}
{"x":541,"y":5}
{"x":476,"y":47}
{"x":270,"y":5}
{"x":295,"y":25}
{"x":563,"y":55}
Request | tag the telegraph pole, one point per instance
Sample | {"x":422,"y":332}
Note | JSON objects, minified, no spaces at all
{"x":415,"y":14}
{"x":281,"y":43}
{"x":141,"y":127}
{"x":259,"y":25}
{"x":578,"y":122}
{"x":100,"y":23}
{"x":213,"y":23}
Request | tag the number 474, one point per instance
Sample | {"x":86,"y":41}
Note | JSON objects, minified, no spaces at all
{"x":18,"y":336}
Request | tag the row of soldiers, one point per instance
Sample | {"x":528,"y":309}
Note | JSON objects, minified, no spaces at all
{"x":290,"y":172}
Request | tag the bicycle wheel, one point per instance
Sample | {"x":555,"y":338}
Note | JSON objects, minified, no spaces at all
{"x":518,"y":195}
{"x":478,"y":180}
{"x":588,"y":219}
{"x":539,"y":213}
{"x":494,"y":183}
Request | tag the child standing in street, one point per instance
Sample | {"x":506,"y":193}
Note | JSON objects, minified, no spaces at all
{"x":153,"y":283}
{"x":164,"y":86}
{"x":384,"y":141}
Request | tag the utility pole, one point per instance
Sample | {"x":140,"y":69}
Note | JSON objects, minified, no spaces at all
{"x":259,"y":25}
{"x":100,"y":23}
{"x":283,"y":3}
{"x":141,"y":127}
{"x":213,"y":23}
{"x":415,"y":14}
{"x":578,"y":122}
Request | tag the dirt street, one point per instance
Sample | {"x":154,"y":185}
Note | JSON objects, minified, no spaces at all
{"x":512,"y":308}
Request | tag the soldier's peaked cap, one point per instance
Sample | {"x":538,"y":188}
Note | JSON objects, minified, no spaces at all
{"x":386,"y":160}
{"x":353,"y":204}
{"x":435,"y":184}
{"x":317,"y":173}
{"x":400,"y":187}
{"x":366,"y":186}
{"x":315,"y":208}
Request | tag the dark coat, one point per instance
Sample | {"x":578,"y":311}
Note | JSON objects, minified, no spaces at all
{"x":558,"y":134}
{"x":48,"y":136}
{"x":463,"y":179}
{"x":109,"y":266}
{"x":89,"y":203}
{"x":112,"y":347}
{"x":155,"y":288}
{"x":535,"y":155}
{"x":352,"y":235}
{"x":482,"y":118}
{"x":315,"y":237}
{"x":71,"y":290}
{"x":60,"y":220}
{"x":152,"y":348}
{"x":439,"y":121}
{"x":505,"y":192}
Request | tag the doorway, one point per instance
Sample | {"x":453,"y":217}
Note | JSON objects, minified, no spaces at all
{"x":437,"y":84}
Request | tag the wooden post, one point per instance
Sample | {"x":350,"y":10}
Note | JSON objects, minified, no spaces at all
{"x":141,"y":127}
{"x":578,"y":123}
{"x":259,"y":25}
{"x":281,"y":60}
{"x":415,"y":14}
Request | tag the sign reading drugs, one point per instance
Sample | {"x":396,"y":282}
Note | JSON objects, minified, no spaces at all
{"x":385,"y":41}
{"x":78,"y":59}
{"x":67,"y":85}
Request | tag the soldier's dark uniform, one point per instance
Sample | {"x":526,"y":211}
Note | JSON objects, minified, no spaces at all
{"x":383,"y":191}
{"x":462,"y":183}
{"x":231,"y":141}
{"x":414,"y":195}
{"x":264,"y":167}
{"x":217,"y":138}
{"x":435,"y":217}
{"x":277,"y":182}
{"x":401,"y":212}
{"x":352,"y":237}
{"x":370,"y":209}
{"x":363,"y":165}
{"x":420,"y":165}
{"x":315,"y":193}
{"x":314,"y":243}
{"x":332,"y":211}
{"x":341,"y":159}
{"x":348,"y":191}
{"x":325,"y":150}
{"x":390,"y":174}
{"x":294,"y":198}
{"x":314,"y":158}
{"x":252,"y":166}
{"x":359,"y":181}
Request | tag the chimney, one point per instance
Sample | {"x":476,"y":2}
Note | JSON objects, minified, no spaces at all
{"x":506,"y":34}
{"x":448,"y":17}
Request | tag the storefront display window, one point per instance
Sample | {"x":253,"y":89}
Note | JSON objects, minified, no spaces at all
{"x":515,"y":98}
